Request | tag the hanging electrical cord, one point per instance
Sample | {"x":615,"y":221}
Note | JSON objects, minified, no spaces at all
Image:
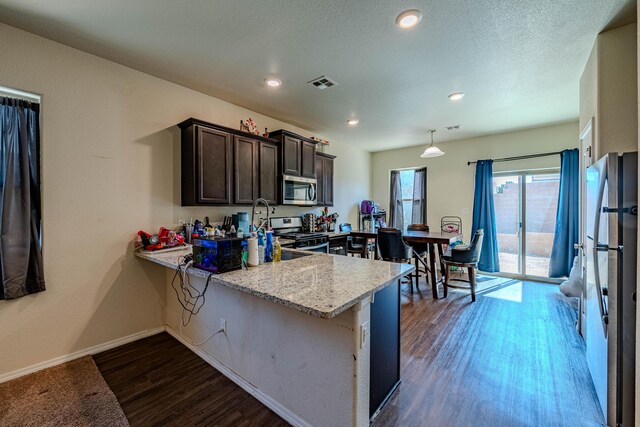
{"x":192,"y":300}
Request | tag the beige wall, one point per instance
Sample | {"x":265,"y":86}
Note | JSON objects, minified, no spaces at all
{"x":609,"y":91}
{"x":450,"y":182}
{"x":109,"y":168}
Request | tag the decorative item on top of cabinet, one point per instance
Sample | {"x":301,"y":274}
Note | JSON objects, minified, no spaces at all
{"x":324,"y":175}
{"x":249,"y":126}
{"x":297,"y":155}
{"x":322,"y":144}
{"x":223,"y":166}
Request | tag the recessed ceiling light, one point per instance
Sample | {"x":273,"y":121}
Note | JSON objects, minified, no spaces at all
{"x":273,"y":82}
{"x":409,"y":18}
{"x":353,"y":122}
{"x":456,"y":96}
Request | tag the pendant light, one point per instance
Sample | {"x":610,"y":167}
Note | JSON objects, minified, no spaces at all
{"x":432,"y":151}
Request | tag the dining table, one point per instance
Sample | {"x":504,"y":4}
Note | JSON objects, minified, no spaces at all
{"x":434,"y":239}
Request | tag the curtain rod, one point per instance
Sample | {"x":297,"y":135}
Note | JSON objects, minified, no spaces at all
{"x":19,"y":94}
{"x":528,"y":156}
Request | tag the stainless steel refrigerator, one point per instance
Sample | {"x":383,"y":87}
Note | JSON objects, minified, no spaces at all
{"x":610,"y":288}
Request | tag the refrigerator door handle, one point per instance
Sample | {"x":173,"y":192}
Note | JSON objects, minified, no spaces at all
{"x":597,"y":247}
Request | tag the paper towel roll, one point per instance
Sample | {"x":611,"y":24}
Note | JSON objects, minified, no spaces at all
{"x":252,"y":250}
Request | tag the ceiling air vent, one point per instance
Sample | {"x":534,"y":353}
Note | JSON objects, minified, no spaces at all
{"x":322,"y":82}
{"x":452,"y":128}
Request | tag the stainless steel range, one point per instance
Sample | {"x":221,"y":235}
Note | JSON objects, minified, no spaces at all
{"x":292,"y":228}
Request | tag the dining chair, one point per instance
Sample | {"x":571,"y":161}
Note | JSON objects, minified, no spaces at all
{"x":464,"y":256}
{"x":420,"y":254}
{"x":451,"y":224}
{"x":392,"y":247}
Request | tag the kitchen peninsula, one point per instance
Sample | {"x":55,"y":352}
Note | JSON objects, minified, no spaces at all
{"x":301,"y":335}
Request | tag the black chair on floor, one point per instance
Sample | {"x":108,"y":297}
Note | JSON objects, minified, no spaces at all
{"x":354,"y":244}
{"x":420,"y":254}
{"x":464,"y":256}
{"x":392,"y":247}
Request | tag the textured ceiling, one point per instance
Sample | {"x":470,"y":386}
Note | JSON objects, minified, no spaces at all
{"x":518,"y":61}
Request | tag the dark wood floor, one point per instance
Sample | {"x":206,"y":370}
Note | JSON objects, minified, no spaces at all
{"x":160,"y":382}
{"x":512,"y":358}
{"x":510,"y":361}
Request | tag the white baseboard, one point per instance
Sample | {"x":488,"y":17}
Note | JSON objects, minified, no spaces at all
{"x":77,"y":354}
{"x":265,"y":399}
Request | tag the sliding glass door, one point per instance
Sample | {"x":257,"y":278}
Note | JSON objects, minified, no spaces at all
{"x":526,"y":204}
{"x":507,"y":194}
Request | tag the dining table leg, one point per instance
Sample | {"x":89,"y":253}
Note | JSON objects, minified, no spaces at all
{"x":442,"y":266}
{"x":432,"y":272}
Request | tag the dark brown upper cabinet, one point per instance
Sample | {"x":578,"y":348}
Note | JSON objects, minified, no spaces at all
{"x":268,"y":171}
{"x":255,"y":170}
{"x":245,"y":172}
{"x":223,"y":166}
{"x":291,"y":157}
{"x":319,"y":186}
{"x":324,"y":175}
{"x":206,"y":166}
{"x":308,"y":168}
{"x":298,"y":153}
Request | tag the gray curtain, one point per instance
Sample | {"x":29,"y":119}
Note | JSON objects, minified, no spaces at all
{"x":396,"y":211}
{"x":419,"y":214}
{"x":20,"y":252}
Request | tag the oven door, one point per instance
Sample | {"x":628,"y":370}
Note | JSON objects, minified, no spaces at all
{"x":314,"y":247}
{"x":298,"y":191}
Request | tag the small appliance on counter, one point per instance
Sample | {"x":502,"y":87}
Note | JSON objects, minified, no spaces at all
{"x":217,"y":254}
{"x":309,"y":223}
{"x":241,"y":221}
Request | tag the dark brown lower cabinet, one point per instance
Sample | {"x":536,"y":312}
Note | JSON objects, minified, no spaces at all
{"x":338,"y":245}
{"x":384,"y":369}
{"x":324,"y":175}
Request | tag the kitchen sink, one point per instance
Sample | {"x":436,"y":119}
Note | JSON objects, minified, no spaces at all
{"x":289,"y":255}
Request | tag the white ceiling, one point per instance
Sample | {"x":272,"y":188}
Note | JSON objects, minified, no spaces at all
{"x":518,"y":61}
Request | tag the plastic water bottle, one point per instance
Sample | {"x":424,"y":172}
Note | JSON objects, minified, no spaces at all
{"x":268,"y":247}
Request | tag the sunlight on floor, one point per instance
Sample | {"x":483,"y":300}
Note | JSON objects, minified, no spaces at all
{"x":508,"y":293}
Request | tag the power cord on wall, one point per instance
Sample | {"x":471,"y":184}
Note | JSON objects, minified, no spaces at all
{"x":197,"y":344}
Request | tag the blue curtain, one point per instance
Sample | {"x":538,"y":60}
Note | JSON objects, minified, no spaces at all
{"x":484,"y":216}
{"x":567,"y":217}
{"x":21,"y":270}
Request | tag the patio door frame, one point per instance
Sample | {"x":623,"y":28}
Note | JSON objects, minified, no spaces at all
{"x":522,"y":229}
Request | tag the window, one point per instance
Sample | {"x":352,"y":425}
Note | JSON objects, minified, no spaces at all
{"x":406,"y":181}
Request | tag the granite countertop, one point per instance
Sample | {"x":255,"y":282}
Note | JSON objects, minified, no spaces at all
{"x":320,"y":285}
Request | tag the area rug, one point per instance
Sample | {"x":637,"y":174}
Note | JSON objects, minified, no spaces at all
{"x":71,"y":394}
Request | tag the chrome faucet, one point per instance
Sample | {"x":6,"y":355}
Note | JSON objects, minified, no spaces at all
{"x":253,"y":211}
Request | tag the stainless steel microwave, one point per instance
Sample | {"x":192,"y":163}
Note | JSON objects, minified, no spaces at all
{"x":299,"y":191}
